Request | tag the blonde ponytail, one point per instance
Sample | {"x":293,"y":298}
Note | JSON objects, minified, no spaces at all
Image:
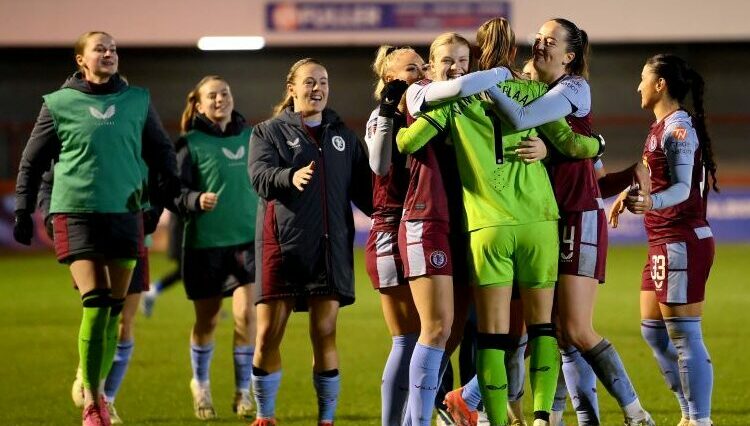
{"x":382,"y":64}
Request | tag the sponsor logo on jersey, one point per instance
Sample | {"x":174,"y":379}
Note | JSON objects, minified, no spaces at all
{"x":234,"y":155}
{"x":438,"y":259}
{"x":572,"y":84}
{"x":293,"y":144}
{"x":652,"y":143}
{"x":338,"y":143}
{"x":679,"y":133}
{"x":107,"y":114}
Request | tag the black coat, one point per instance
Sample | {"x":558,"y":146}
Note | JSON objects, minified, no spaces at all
{"x":304,"y":239}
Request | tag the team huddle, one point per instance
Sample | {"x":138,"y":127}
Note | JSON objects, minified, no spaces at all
{"x":485,"y":187}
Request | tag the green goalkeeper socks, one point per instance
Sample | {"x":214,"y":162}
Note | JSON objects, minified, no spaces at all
{"x":91,"y":336}
{"x":544,"y":367}
{"x":493,"y":380}
{"x":110,"y":335}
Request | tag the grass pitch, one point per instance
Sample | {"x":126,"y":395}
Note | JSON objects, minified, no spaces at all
{"x":40,"y":313}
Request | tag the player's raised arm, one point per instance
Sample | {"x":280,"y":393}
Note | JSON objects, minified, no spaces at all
{"x":570,"y":143}
{"x":570,"y":95}
{"x":414,"y":137}
{"x":437,"y":92}
{"x":559,"y":133}
{"x":380,"y":127}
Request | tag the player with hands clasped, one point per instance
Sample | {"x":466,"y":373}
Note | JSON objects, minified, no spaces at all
{"x":679,"y":156}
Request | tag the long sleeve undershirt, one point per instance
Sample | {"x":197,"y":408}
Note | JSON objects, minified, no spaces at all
{"x":550,"y":107}
{"x":379,"y":144}
{"x":679,"y":190}
{"x":418,"y":97}
{"x":379,"y":140}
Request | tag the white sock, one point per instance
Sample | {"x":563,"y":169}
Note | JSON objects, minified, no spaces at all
{"x":634,"y":410}
{"x":555,"y":418}
{"x":515,"y":410}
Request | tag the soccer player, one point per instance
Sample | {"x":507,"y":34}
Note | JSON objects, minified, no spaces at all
{"x":384,"y":260}
{"x":431,"y":232}
{"x":307,"y":168}
{"x":509,"y":207}
{"x":560,"y":57}
{"x":218,"y":204}
{"x":469,"y":395}
{"x":515,"y":358}
{"x":395,"y":68}
{"x":139,"y":281}
{"x":680,"y":159}
{"x":99,"y":130}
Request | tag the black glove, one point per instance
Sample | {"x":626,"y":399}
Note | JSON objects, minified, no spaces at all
{"x":150,"y":220}
{"x":23,"y":229}
{"x":390,"y":97}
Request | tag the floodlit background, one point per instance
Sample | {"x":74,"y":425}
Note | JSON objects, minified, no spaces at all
{"x":158,"y":48}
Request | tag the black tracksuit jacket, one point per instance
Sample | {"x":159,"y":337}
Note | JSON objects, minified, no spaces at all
{"x":304,"y":239}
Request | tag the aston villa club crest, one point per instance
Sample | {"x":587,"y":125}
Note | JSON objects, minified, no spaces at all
{"x":438,"y":259}
{"x":652,"y":143}
{"x":338,"y":143}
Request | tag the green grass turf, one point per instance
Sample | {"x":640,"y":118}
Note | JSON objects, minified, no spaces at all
{"x":39,"y":315}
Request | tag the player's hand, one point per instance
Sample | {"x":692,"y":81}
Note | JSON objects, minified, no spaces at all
{"x":208,"y":201}
{"x":639,"y":203}
{"x":23,"y":229}
{"x":302,"y":176}
{"x":390,"y":97}
{"x":642,"y":177}
{"x":531,"y":149}
{"x":618,"y":207}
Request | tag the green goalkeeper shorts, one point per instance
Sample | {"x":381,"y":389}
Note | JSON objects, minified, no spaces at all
{"x":525,"y":253}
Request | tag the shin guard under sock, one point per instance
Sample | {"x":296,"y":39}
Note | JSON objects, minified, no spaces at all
{"x":491,"y":374}
{"x":544,"y":366}
{"x":91,"y":336}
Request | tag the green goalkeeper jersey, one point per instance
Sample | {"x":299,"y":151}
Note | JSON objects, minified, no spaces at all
{"x":498,"y":187}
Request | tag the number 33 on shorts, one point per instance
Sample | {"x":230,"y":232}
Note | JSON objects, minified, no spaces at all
{"x":658,"y":270}
{"x":677,"y":272}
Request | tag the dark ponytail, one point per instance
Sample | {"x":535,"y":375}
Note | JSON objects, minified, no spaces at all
{"x":681,"y":79}
{"x":699,"y":121}
{"x":578,"y":43}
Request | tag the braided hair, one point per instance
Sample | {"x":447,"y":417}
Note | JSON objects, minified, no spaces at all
{"x":681,"y":79}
